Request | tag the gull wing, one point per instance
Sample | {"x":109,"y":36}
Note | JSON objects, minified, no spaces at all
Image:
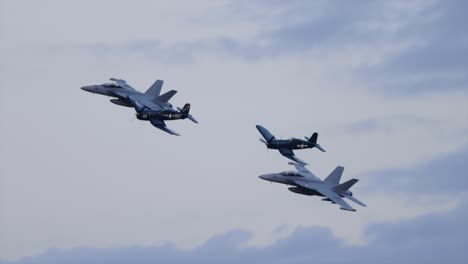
{"x":336,"y":198}
{"x":141,"y":99}
{"x":290,"y":155}
{"x":161,"y":125}
{"x":164,"y":98}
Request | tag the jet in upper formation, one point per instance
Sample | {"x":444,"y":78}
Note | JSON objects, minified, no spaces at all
{"x":286,"y":146}
{"x":150,"y":106}
{"x":306,"y":183}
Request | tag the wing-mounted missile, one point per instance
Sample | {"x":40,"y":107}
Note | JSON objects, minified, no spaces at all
{"x":117,"y":80}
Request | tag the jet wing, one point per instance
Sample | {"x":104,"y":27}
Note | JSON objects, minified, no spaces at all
{"x":336,"y":198}
{"x":120,"y":93}
{"x":290,"y":155}
{"x":161,"y":125}
{"x":140,"y":99}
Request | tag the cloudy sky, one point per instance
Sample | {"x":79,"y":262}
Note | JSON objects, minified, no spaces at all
{"x":384,"y":83}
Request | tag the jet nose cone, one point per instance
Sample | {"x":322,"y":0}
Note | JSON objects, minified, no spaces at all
{"x":264,"y":177}
{"x":87,"y":88}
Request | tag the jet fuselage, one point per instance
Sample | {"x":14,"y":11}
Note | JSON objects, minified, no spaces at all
{"x":289,"y":178}
{"x":111,"y":90}
{"x":105,"y":90}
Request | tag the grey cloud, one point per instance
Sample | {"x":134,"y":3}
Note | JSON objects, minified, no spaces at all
{"x":434,"y":238}
{"x":323,"y":24}
{"x":447,"y":173}
{"x":384,"y":124}
{"x":437,"y":61}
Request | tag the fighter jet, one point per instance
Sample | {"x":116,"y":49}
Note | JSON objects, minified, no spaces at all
{"x":306,"y":183}
{"x":286,"y":146}
{"x":149,"y":106}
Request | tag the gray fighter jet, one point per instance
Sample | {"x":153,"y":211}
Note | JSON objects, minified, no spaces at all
{"x":306,"y":183}
{"x":286,"y":146}
{"x":150,"y":106}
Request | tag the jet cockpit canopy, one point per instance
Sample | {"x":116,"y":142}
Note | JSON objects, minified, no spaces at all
{"x":291,"y":174}
{"x":112,"y":85}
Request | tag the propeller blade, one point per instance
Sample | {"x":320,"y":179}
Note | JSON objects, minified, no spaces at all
{"x":263,"y":141}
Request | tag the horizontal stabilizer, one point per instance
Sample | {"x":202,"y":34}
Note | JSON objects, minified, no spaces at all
{"x":320,"y":147}
{"x":192,"y":119}
{"x":345,"y":185}
{"x":352,"y":198}
{"x":166,"y":96}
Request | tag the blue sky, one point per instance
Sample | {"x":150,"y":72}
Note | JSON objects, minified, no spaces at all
{"x":383,"y":83}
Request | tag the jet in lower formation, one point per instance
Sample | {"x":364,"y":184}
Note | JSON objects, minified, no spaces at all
{"x":286,"y":146}
{"x":306,"y":183}
{"x":149,"y":106}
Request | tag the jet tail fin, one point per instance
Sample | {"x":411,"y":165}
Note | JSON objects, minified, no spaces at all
{"x":335,"y":175}
{"x":345,"y":185}
{"x":155,"y":89}
{"x":186,"y":110}
{"x":313,"y":139}
{"x":166,"y":96}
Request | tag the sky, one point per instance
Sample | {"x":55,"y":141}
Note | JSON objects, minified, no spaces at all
{"x":384,"y":83}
